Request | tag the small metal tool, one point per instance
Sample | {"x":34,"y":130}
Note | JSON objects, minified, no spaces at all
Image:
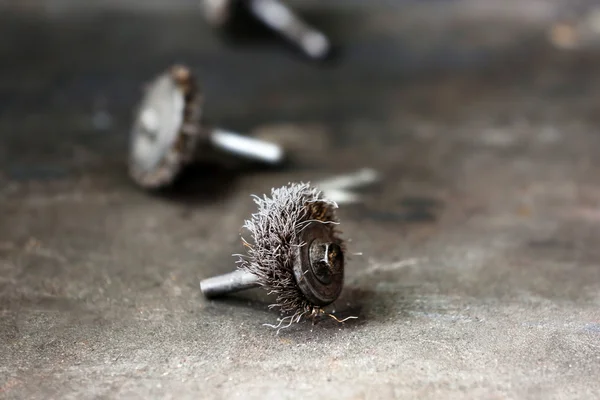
{"x":295,"y":253}
{"x":168,"y":132}
{"x":278,"y":17}
{"x":318,"y":270}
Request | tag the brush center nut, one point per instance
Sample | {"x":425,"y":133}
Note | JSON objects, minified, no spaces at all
{"x":326,"y":258}
{"x":319,"y":265}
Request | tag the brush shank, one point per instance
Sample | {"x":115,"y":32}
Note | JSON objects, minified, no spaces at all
{"x":246,"y":147}
{"x":281,"y":19}
{"x":228,"y":283}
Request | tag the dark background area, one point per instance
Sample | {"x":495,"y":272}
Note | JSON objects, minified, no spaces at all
{"x":479,"y":268}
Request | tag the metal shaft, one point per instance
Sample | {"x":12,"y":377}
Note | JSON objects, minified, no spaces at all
{"x":360,"y":178}
{"x":246,"y":147}
{"x":228,"y":283}
{"x":281,"y":19}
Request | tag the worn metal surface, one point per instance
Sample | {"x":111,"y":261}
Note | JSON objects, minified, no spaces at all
{"x":479,"y":275}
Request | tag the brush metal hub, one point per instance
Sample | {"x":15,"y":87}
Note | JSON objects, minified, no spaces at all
{"x":319,"y":266}
{"x":166,"y":128}
{"x":325,"y":260}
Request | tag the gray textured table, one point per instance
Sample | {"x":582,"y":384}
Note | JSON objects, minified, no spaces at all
{"x":479,"y":275}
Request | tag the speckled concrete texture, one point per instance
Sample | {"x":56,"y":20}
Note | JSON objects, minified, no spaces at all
{"x":474,"y":268}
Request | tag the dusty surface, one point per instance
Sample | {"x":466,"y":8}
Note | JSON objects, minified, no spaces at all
{"x":480,"y":268}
